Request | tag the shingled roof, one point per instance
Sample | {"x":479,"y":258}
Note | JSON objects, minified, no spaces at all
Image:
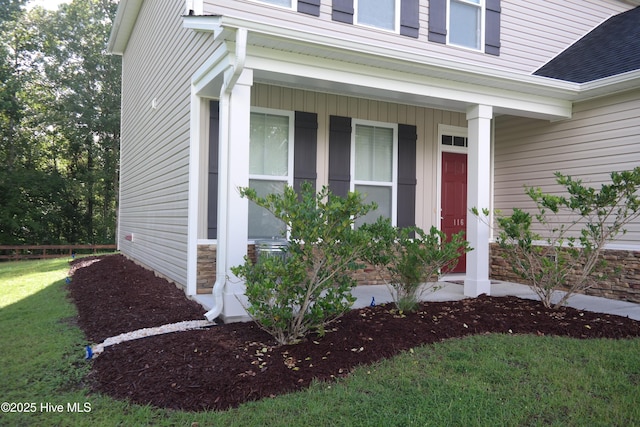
{"x":611,"y":48}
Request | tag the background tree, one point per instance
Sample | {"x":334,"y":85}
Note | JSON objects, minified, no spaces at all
{"x":60,"y":132}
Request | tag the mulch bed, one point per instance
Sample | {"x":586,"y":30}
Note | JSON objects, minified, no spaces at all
{"x":227,"y":365}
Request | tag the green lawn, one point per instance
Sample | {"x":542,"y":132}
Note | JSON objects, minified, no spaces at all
{"x":490,"y":380}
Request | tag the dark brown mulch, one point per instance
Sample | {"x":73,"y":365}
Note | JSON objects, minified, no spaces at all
{"x":227,"y":365}
{"x":114,"y":295}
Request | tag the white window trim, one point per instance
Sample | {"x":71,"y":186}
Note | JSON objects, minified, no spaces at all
{"x":294,"y":4}
{"x":290,"y":157}
{"x":291,"y":116}
{"x":394,"y":166}
{"x":396,"y":22}
{"x":483,"y":10}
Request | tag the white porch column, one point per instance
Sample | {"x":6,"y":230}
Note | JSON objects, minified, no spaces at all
{"x":478,"y":195}
{"x":233,"y":210}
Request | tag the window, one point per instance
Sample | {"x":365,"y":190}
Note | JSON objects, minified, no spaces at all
{"x":378,"y":13}
{"x":465,"y":23}
{"x":270,"y":166}
{"x":474,"y":24}
{"x":284,"y":3}
{"x":309,"y":7}
{"x":373,"y":164}
{"x":342,"y":153}
{"x":455,"y":141}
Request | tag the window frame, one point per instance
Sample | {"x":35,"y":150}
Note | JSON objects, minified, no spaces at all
{"x":294,"y":4}
{"x":289,"y":178}
{"x":481,"y":31}
{"x":396,"y":21}
{"x":393,"y":184}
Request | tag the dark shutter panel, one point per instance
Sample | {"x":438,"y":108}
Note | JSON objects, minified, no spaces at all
{"x":304,"y":152}
{"x":407,"y":137}
{"x":438,"y":21}
{"x":409,"y":18}
{"x":212,"y":206}
{"x":310,"y":7}
{"x":492,"y":30}
{"x":339,"y":155}
{"x":342,"y":11}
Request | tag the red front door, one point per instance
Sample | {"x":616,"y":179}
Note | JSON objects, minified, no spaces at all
{"x":454,"y":199}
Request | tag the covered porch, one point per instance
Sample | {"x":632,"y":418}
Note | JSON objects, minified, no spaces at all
{"x":252,"y":69}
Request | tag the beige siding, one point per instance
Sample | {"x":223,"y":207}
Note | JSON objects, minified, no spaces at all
{"x":603,"y":136}
{"x":535,"y":31}
{"x":157,"y":64}
{"x":532,"y":31}
{"x":426,"y":120}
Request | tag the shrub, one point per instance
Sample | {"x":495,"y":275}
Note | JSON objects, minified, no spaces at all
{"x":410,"y":258}
{"x":568,"y":256}
{"x":309,"y":286}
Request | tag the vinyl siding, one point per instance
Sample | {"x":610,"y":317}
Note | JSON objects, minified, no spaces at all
{"x":425,"y":119}
{"x":603,"y":136}
{"x":532,"y":32}
{"x":159,"y":60}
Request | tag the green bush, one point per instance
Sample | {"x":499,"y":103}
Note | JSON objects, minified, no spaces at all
{"x":309,"y":286}
{"x":568,"y":256}
{"x":410,"y":258}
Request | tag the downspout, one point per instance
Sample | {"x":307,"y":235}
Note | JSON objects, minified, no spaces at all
{"x":223,"y":153}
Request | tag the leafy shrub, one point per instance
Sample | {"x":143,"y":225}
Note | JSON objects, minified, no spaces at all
{"x":410,"y":258}
{"x":309,"y":286}
{"x":568,"y":256}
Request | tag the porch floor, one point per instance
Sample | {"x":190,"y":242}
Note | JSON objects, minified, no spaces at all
{"x":451,"y":289}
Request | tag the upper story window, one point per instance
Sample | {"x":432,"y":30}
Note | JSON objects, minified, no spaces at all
{"x":400,"y":16}
{"x":289,"y":4}
{"x":474,"y":24}
{"x":270,"y":166}
{"x":378,"y":13}
{"x":465,"y":23}
{"x":309,"y":7}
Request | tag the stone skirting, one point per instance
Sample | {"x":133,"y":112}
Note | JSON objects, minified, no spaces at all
{"x":206,"y":274}
{"x":206,"y":269}
{"x":624,"y":285}
{"x":622,"y":274}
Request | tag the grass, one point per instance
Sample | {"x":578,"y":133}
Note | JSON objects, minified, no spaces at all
{"x":492,"y":380}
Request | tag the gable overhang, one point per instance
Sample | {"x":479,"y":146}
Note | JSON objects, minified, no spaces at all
{"x":607,"y":86}
{"x":123,"y":24}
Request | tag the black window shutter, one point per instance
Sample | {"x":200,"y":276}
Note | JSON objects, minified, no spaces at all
{"x":305,"y":151}
{"x":438,"y":21}
{"x":407,"y":137}
{"x":339,"y":155}
{"x":342,"y":11}
{"x":409,"y":18}
{"x":212,"y":206}
{"x":310,"y":7}
{"x":492,"y":30}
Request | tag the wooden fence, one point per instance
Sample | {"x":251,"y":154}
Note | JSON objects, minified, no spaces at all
{"x":49,"y":251}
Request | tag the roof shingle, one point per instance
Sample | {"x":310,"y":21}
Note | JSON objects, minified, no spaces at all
{"x":611,"y":48}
